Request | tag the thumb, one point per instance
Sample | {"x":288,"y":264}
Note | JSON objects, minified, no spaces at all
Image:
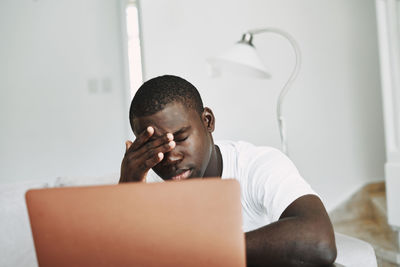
{"x":128,"y":145}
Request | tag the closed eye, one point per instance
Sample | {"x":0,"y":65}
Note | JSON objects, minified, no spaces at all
{"x":181,"y":139}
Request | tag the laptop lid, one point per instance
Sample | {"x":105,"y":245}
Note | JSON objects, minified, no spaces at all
{"x":187,"y":223}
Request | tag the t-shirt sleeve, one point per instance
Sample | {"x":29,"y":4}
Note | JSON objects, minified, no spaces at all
{"x":152,"y":177}
{"x":278,"y":182}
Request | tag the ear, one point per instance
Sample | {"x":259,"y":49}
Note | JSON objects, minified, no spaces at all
{"x":208,"y":119}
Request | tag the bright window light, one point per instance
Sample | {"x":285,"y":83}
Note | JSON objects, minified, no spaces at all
{"x":134,"y":51}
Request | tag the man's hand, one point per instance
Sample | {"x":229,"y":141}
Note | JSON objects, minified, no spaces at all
{"x":143,"y":154}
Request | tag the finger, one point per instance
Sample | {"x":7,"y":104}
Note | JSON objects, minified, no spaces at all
{"x":157,"y":143}
{"x":142,"y":138}
{"x":161,"y":149}
{"x":153,"y":161}
{"x":145,"y":163}
{"x":127,"y":145}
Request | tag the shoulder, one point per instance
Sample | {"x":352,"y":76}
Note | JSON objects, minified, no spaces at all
{"x":245,"y":148}
{"x":251,"y":164}
{"x":251,"y":156}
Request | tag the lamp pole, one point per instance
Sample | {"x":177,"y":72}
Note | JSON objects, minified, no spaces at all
{"x":247,"y":38}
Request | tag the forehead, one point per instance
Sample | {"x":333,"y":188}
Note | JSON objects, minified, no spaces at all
{"x":170,"y":119}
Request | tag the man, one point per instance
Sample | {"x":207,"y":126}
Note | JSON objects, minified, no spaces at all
{"x":285,"y":223}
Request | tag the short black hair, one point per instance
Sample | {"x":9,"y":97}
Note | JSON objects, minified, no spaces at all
{"x":156,"y":93}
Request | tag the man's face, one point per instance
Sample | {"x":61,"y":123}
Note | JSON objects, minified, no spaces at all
{"x":192,"y":136}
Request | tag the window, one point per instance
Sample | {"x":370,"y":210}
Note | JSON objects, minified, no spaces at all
{"x":134,"y":50}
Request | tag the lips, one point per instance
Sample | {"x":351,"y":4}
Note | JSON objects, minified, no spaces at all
{"x":182,"y":175}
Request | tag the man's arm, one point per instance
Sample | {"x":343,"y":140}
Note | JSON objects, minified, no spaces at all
{"x":303,"y":236}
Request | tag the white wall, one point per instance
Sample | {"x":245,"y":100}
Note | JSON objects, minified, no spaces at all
{"x":388,"y":19}
{"x":333,"y":111}
{"x":62,"y":97}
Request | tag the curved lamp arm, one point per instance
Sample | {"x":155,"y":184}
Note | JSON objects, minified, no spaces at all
{"x":247,"y":37}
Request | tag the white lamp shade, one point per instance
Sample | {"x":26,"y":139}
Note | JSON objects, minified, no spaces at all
{"x":241,"y":59}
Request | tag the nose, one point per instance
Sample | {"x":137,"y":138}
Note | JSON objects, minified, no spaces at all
{"x":173,"y":157}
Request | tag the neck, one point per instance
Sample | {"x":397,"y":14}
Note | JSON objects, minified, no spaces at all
{"x":214,"y":168}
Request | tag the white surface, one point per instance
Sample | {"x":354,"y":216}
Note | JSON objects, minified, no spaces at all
{"x":352,"y":252}
{"x":62,"y":99}
{"x":388,"y":17}
{"x":333,"y":111}
{"x":85,"y":181}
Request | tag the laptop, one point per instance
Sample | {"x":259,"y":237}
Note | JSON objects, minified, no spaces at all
{"x":195,"y":222}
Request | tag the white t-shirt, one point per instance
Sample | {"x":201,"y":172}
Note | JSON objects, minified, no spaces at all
{"x":269,"y":181}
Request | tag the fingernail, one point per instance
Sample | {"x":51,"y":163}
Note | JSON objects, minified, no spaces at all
{"x":170,"y":136}
{"x":150,"y":130}
{"x":160,"y":155}
{"x":171,"y":143}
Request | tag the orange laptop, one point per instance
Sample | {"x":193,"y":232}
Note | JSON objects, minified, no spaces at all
{"x":187,"y":223}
